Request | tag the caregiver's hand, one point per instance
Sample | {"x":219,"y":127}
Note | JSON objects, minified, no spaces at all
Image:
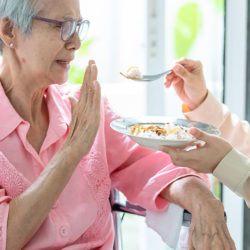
{"x":205,"y":157}
{"x":85,"y":115}
{"x":208,"y":229}
{"x":188,"y":82}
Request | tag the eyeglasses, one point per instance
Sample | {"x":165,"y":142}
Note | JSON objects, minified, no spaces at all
{"x":69,"y":27}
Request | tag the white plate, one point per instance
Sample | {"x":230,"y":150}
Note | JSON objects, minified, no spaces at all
{"x":123,"y":126}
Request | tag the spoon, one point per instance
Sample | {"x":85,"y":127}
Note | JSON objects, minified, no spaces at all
{"x":147,"y":78}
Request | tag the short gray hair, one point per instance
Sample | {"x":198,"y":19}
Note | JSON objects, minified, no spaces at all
{"x":20,"y":12}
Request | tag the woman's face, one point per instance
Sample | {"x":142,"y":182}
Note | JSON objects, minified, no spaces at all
{"x":44,"y":55}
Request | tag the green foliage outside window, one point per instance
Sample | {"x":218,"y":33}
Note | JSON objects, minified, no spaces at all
{"x":189,"y":23}
{"x":219,"y":5}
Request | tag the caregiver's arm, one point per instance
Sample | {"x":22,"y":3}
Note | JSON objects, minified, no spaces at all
{"x":208,"y":229}
{"x":201,"y":105}
{"x":29,"y":210}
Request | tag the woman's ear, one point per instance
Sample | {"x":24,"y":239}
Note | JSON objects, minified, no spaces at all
{"x":7,"y":32}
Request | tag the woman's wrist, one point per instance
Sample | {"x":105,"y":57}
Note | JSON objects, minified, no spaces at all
{"x":73,"y":153}
{"x":199,"y":195}
{"x":192,"y":105}
{"x":206,"y":203}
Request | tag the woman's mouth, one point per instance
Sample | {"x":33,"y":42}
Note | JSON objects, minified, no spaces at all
{"x":64,"y":64}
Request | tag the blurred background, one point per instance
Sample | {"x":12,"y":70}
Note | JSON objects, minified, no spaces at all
{"x":152,"y":34}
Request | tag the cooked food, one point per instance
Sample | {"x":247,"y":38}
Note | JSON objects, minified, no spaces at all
{"x":167,"y":131}
{"x":134,"y":73}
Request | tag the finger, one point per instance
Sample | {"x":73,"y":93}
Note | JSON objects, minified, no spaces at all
{"x":74,"y":116}
{"x":190,"y":246}
{"x":189,"y":64}
{"x":86,"y":75}
{"x":172,"y":151}
{"x":87,"y":107}
{"x":226,"y":237}
{"x":190,"y":239}
{"x":96,"y":95}
{"x":185,"y":164}
{"x":94,"y":108}
{"x":173,"y":80}
{"x":88,"y":71}
{"x":176,"y":81}
{"x":200,"y":135}
{"x":180,"y":71}
{"x":199,"y":145}
{"x":180,"y":155}
{"x":91,"y":61}
{"x":93,"y":74}
{"x":168,"y":81}
{"x":170,"y":76}
{"x":189,"y":147}
{"x":93,"y":100}
{"x":167,"y":84}
{"x":89,"y":115}
{"x":90,"y":76}
{"x":218,"y":242}
{"x":190,"y":159}
{"x":73,"y":102}
{"x":97,"y":99}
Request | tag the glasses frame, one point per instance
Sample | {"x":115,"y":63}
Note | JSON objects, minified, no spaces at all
{"x":60,"y":23}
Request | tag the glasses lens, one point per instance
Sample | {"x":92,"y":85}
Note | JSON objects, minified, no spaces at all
{"x":83,"y":30}
{"x":68,"y":29}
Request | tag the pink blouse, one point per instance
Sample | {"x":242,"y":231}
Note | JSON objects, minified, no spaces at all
{"x":80,"y":218}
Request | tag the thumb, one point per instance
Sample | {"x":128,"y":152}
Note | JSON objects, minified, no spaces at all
{"x":181,"y":71}
{"x":73,"y":102}
{"x":200,"y":135}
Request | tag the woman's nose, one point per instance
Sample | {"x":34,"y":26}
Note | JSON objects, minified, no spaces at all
{"x":74,"y":42}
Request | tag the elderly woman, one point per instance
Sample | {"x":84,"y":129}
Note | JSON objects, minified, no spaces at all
{"x":57,"y":169}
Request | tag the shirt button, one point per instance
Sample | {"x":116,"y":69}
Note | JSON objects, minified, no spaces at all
{"x":63,"y":231}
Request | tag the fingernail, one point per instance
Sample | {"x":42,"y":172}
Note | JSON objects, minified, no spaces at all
{"x":177,"y":68}
{"x":193,"y":131}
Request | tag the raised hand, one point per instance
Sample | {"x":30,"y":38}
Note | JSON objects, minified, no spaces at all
{"x":85,"y":115}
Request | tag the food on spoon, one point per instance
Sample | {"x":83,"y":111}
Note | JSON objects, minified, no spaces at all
{"x":167,"y":131}
{"x":134,"y":73}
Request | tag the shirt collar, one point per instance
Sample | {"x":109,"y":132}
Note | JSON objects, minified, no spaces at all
{"x":59,"y":113}
{"x":10,"y":119}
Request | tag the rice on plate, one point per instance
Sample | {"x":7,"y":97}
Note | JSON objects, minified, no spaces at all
{"x":164,"y":132}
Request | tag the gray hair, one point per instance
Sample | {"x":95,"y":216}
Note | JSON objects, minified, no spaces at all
{"x":20,"y":12}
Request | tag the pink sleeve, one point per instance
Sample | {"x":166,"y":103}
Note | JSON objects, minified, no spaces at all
{"x":213,"y":112}
{"x":139,"y":173}
{"x":4,"y":210}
